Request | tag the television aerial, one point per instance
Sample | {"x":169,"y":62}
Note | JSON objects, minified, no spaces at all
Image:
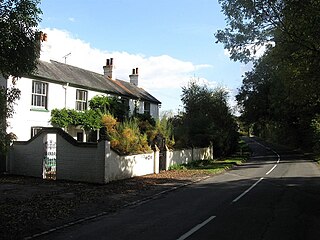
{"x":65,"y":57}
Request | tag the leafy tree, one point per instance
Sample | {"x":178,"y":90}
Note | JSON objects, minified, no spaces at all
{"x":7,"y":98}
{"x":207,"y":119}
{"x":254,"y":24}
{"x":19,"y":46}
{"x":280,"y":95}
{"x":19,"y":50}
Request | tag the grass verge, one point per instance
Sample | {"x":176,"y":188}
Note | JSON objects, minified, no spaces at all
{"x":215,"y":166}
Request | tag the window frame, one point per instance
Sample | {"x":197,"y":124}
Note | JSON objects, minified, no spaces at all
{"x":81,"y":104}
{"x":39,"y":95}
{"x":147,"y":108}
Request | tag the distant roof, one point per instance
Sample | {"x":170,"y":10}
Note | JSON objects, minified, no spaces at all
{"x":64,"y":73}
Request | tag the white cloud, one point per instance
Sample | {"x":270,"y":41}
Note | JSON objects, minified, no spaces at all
{"x":155,"y":72}
{"x":71,"y":19}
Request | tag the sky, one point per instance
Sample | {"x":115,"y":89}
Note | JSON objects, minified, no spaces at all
{"x":170,"y":41}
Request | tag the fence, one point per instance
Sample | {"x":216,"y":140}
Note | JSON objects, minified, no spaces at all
{"x":54,"y":154}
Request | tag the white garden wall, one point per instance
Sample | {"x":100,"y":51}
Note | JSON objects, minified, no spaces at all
{"x":89,"y":162}
{"x":122,"y":167}
{"x":184,"y":156}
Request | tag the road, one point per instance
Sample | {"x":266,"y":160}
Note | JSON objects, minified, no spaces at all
{"x":275,"y":195}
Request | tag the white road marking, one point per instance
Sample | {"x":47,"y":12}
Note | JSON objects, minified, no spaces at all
{"x":279,"y":158}
{"x":271,"y":169}
{"x":275,"y":164}
{"x":248,"y":190}
{"x":196,"y":228}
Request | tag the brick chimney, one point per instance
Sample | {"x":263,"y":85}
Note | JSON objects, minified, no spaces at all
{"x":134,"y":77}
{"x":107,"y":70}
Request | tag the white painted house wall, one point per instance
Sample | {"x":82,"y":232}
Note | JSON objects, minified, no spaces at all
{"x":154,"y":108}
{"x":25,"y":116}
{"x":59,"y":96}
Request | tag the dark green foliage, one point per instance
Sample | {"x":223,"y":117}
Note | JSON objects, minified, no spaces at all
{"x":19,"y":50}
{"x":88,"y":120}
{"x":280,"y":96}
{"x":253,"y":24}
{"x":207,"y":120}
{"x":145,"y":117}
{"x":7,"y":99}
{"x":119,"y":108}
{"x":19,"y":46}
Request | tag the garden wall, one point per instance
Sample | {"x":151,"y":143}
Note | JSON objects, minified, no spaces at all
{"x":183,"y":156}
{"x":72,"y":160}
{"x":54,"y":154}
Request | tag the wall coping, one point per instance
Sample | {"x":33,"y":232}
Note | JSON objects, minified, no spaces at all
{"x":62,"y":133}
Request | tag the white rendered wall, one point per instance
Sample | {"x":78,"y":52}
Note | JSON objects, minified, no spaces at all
{"x":122,"y":167}
{"x":154,"y":108}
{"x":26,"y":116}
{"x":59,"y":96}
{"x":187,"y":155}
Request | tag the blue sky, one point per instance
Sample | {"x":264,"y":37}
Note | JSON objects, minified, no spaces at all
{"x":171,"y":41}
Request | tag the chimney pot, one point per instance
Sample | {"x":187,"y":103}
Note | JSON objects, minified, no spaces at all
{"x":134,"y":77}
{"x":108,"y":68}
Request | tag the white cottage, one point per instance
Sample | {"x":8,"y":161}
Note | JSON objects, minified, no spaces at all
{"x":58,"y":85}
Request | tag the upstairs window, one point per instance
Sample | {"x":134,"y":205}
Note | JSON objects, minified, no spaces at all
{"x":39,"y":94}
{"x":147,"y":108}
{"x":81,"y":100}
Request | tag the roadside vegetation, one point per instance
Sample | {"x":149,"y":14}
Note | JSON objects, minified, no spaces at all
{"x":127,"y":135}
{"x":218,"y":165}
{"x":206,"y":120}
{"x":279,"y":98}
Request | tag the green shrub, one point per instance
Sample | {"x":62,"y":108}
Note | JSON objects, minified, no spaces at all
{"x":178,"y":167}
{"x":125,"y":137}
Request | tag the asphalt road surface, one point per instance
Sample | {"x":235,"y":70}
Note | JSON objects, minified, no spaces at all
{"x":275,"y":195}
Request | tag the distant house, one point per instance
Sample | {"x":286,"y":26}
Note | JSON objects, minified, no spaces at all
{"x":58,"y":85}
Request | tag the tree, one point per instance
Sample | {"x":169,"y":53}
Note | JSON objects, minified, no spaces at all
{"x":280,"y":96}
{"x":19,"y":50}
{"x":254,"y":24}
{"x":207,"y":119}
{"x":19,"y":45}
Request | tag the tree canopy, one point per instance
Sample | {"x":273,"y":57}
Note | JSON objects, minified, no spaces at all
{"x":19,"y":46}
{"x":280,"y":96}
{"x":19,"y":50}
{"x":252,"y":24}
{"x":207,"y":119}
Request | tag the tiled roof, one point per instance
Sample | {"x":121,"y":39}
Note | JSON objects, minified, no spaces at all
{"x":64,"y":73}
